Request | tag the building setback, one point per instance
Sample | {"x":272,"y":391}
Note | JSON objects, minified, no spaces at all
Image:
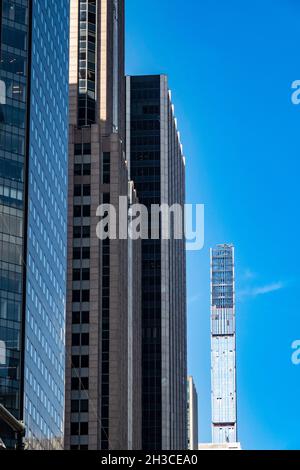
{"x":33,"y":209}
{"x":158,"y":171}
{"x":223,"y":345}
{"x":103,"y":404}
{"x":192,"y":414}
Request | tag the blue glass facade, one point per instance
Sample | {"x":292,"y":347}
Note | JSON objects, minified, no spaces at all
{"x":33,"y":208}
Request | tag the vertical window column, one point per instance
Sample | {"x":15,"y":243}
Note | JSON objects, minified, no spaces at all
{"x":87,"y":62}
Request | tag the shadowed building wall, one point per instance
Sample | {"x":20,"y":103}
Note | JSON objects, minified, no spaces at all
{"x":158,"y":170}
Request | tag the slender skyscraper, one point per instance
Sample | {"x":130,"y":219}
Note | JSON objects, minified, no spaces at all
{"x":158,"y":170}
{"x":34,"y":39}
{"x":103,"y":408}
{"x":223,"y":345}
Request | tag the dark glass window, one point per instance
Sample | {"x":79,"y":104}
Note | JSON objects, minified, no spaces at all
{"x":13,"y":12}
{"x":85,"y":296}
{"x":74,"y":429}
{"x":14,"y":38}
{"x":82,"y":169}
{"x":75,"y":383}
{"x":76,"y":253}
{"x":85,"y":317}
{"x":84,"y":383}
{"x":77,"y":211}
{"x":75,"y":362}
{"x":76,"y":318}
{"x":86,"y":169}
{"x":86,"y":231}
{"x":77,"y":149}
{"x":106,"y":167}
{"x":74,"y":406}
{"x":77,"y":169}
{"x":84,"y":429}
{"x":84,"y":406}
{"x":77,"y":190}
{"x":76,"y":296}
{"x":85,"y":361}
{"x":85,"y":274}
{"x":11,"y":170}
{"x":85,"y":339}
{"x":85,"y":253}
{"x":87,"y":149}
{"x":86,"y":211}
{"x":86,"y":190}
{"x":76,"y":274}
{"x":75,"y":339}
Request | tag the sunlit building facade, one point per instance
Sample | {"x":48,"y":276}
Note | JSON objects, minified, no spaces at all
{"x":223,"y":345}
{"x":33,"y":207}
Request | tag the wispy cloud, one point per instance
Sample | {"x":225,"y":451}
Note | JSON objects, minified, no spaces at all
{"x":261,"y":290}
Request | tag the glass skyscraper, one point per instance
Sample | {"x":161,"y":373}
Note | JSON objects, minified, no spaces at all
{"x":223,"y":345}
{"x":157,"y":167}
{"x":33,"y":207}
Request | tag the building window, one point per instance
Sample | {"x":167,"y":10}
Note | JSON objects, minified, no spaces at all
{"x":85,"y":362}
{"x":80,"y":339}
{"x":82,"y":190}
{"x":75,"y":406}
{"x":76,"y":274}
{"x":75,"y":339}
{"x":85,"y":339}
{"x":81,"y":274}
{"x":81,"y":231}
{"x":85,"y":253}
{"x":82,"y":169}
{"x":75,"y":362}
{"x":81,"y":406}
{"x":75,"y":383}
{"x":106,"y":167}
{"x":74,"y":429}
{"x":84,"y":429}
{"x":81,"y":317}
{"x":87,"y":63}
{"x":85,"y":296}
{"x":76,"y":296}
{"x":85,"y":317}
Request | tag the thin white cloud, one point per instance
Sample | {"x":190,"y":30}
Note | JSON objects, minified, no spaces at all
{"x":261,"y":290}
{"x":268,"y":288}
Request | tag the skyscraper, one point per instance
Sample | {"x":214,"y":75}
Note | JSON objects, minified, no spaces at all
{"x":223,"y":345}
{"x":157,"y":168}
{"x":33,"y":233}
{"x":103,"y":316}
{"x":192,"y":414}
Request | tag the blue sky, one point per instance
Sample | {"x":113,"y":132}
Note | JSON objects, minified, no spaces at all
{"x":230,"y":67}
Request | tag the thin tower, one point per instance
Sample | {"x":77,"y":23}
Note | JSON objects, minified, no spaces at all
{"x":223,"y":345}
